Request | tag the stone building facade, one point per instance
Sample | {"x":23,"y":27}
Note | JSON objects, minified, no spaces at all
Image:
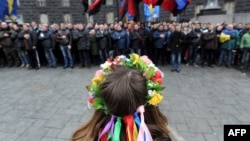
{"x":56,"y":11}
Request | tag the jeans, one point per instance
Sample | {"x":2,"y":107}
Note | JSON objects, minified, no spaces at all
{"x":68,"y":60}
{"x":138,"y":51}
{"x":50,"y":57}
{"x":84,"y":57}
{"x":103,"y":55}
{"x":244,"y":56}
{"x":192,"y":49}
{"x":23,"y":56}
{"x":176,"y":60}
{"x":229,"y":55}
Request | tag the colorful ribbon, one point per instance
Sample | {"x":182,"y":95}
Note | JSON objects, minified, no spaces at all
{"x":107,"y":127}
{"x":118,"y":125}
{"x":143,"y":127}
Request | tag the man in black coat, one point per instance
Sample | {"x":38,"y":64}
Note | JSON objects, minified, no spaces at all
{"x":135,"y":40}
{"x":102,"y":36}
{"x":176,"y":42}
{"x":46,"y":40}
{"x":83,"y":45}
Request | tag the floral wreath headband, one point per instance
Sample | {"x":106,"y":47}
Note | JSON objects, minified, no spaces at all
{"x":152,"y":74}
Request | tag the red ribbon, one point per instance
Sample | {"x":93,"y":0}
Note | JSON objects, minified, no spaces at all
{"x":129,"y":122}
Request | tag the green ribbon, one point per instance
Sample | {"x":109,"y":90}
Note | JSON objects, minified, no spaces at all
{"x":118,"y":125}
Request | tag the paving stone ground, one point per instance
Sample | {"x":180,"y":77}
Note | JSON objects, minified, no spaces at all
{"x":49,"y":104}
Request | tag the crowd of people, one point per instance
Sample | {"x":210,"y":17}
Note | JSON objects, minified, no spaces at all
{"x":33,"y":45}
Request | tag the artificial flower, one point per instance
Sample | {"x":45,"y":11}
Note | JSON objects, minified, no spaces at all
{"x":146,"y":59}
{"x":155,"y":99}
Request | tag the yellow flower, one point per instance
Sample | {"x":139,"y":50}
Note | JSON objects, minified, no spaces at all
{"x":136,"y":58}
{"x":155,"y":99}
{"x":97,"y":80}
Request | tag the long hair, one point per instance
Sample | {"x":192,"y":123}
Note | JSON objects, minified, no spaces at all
{"x":123,"y":91}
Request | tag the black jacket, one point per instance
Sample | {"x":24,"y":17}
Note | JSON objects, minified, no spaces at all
{"x":103,"y":39}
{"x":135,"y":40}
{"x":46,"y":39}
{"x":176,"y":41}
{"x":83,"y":42}
{"x":67,"y":40}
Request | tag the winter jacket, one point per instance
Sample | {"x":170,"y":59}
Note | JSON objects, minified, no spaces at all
{"x":193,"y":37}
{"x":5,"y":41}
{"x":121,"y":39}
{"x":83,"y":42}
{"x":46,"y":39}
{"x":209,"y":40}
{"x":158,"y":41}
{"x":18,"y":39}
{"x":233,"y":42}
{"x":176,"y":41}
{"x":67,"y":40}
{"x":135,"y":40}
{"x":93,"y":45}
{"x":102,"y":39}
{"x":245,"y":41}
{"x":31,"y":41}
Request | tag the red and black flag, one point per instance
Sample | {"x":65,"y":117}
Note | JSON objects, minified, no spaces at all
{"x":95,"y":6}
{"x":85,"y":5}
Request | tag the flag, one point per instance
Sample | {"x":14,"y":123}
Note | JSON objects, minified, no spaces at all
{"x":151,"y":14}
{"x":85,"y":5}
{"x":13,"y":8}
{"x":168,"y":5}
{"x":3,"y":10}
{"x":96,"y":6}
{"x":8,"y":9}
{"x":181,"y":5}
{"x":131,"y":8}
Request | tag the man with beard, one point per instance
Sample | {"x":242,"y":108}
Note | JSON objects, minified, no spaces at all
{"x":8,"y":48}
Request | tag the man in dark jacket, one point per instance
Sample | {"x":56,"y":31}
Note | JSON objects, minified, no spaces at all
{"x":176,"y":43}
{"x":102,"y":36}
{"x":121,"y":39}
{"x":194,"y":37}
{"x":159,"y":40}
{"x":210,"y":44}
{"x":135,"y":40}
{"x":46,"y":40}
{"x":83,"y":46}
{"x":65,"y":39}
{"x":30,"y":44}
{"x":7,"y":45}
{"x":18,"y":39}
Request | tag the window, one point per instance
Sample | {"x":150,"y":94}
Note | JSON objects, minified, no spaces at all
{"x":41,"y":3}
{"x":229,"y":7}
{"x":20,"y":19}
{"x":109,"y":2}
{"x":67,"y":18}
{"x":110,"y":17}
{"x":44,"y":18}
{"x":198,"y":8}
{"x":66,"y":3}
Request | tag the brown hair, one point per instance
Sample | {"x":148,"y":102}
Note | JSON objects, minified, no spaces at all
{"x":123,"y":91}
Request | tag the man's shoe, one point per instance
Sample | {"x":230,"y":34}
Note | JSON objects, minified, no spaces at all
{"x":65,"y":67}
{"x":23,"y":65}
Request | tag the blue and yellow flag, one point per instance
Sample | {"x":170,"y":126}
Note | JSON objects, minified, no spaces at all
{"x":8,"y":10}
